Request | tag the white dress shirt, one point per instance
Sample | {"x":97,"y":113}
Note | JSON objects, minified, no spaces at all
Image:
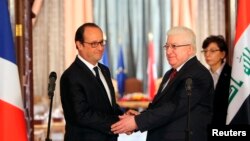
{"x":216,"y":74}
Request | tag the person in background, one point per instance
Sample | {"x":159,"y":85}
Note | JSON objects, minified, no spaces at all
{"x":165,"y":119}
{"x":87,"y":93}
{"x":215,"y":52}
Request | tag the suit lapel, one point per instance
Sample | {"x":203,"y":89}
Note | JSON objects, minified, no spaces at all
{"x":180,"y":74}
{"x":90,"y":74}
{"x":170,"y":85}
{"x":225,"y":75}
{"x":84,"y":67}
{"x":160,"y":91}
{"x":109,"y":82}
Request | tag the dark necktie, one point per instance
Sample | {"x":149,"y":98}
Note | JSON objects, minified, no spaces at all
{"x":97,"y":73}
{"x":100,"y":81}
{"x":98,"y":77}
{"x":172,"y":75}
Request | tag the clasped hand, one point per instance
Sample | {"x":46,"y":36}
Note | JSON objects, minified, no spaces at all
{"x":126,"y":124}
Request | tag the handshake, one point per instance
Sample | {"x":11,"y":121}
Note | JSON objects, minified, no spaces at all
{"x":126,"y":124}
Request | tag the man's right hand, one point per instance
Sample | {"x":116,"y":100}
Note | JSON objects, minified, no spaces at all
{"x":132,"y":112}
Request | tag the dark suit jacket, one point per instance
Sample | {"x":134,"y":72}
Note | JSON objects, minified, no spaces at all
{"x":87,"y":110}
{"x":166,"y":117}
{"x":221,"y":94}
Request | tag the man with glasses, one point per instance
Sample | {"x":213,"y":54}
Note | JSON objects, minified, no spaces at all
{"x":87,"y":93}
{"x":187,"y":83}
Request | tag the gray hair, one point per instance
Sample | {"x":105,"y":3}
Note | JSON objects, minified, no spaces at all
{"x":190,"y":35}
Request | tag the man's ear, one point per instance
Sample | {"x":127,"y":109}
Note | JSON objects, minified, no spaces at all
{"x":191,"y":50}
{"x":78,"y":44}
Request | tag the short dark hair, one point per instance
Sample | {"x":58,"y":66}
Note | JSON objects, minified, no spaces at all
{"x":80,"y":31}
{"x":219,"y":40}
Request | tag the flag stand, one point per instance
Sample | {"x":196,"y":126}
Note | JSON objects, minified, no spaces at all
{"x":50,"y":109}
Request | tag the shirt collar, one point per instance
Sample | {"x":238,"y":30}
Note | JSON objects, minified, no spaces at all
{"x":89,"y":65}
{"x":178,"y":68}
{"x":219,"y":70}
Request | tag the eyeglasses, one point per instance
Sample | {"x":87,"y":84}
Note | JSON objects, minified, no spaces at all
{"x":95,"y":44}
{"x":174,"y":46}
{"x":210,"y":51}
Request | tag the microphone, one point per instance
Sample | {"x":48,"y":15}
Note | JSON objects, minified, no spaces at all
{"x":52,"y":83}
{"x":51,"y":88}
{"x":189,"y":85}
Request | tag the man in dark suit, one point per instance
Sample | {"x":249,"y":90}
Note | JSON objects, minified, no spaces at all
{"x":166,"y":117}
{"x":87,"y":93}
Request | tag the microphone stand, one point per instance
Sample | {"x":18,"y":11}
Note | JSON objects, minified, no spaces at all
{"x":188,"y":130}
{"x":51,"y":94}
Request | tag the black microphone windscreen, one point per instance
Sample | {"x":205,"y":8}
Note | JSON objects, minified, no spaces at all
{"x":189,"y":84}
{"x":53,"y":75}
{"x":52,"y":83}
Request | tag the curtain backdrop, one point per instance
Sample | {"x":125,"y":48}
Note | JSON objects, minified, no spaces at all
{"x":210,"y":21}
{"x":53,"y":40}
{"x":48,"y":53}
{"x":76,"y":12}
{"x":127,"y":24}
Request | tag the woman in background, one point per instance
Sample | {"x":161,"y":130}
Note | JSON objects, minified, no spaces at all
{"x":215,"y":52}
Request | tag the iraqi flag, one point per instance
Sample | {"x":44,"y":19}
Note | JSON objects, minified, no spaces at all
{"x":12,"y":121}
{"x":239,"y":98}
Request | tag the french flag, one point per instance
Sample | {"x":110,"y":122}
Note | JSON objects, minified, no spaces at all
{"x":12,"y":118}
